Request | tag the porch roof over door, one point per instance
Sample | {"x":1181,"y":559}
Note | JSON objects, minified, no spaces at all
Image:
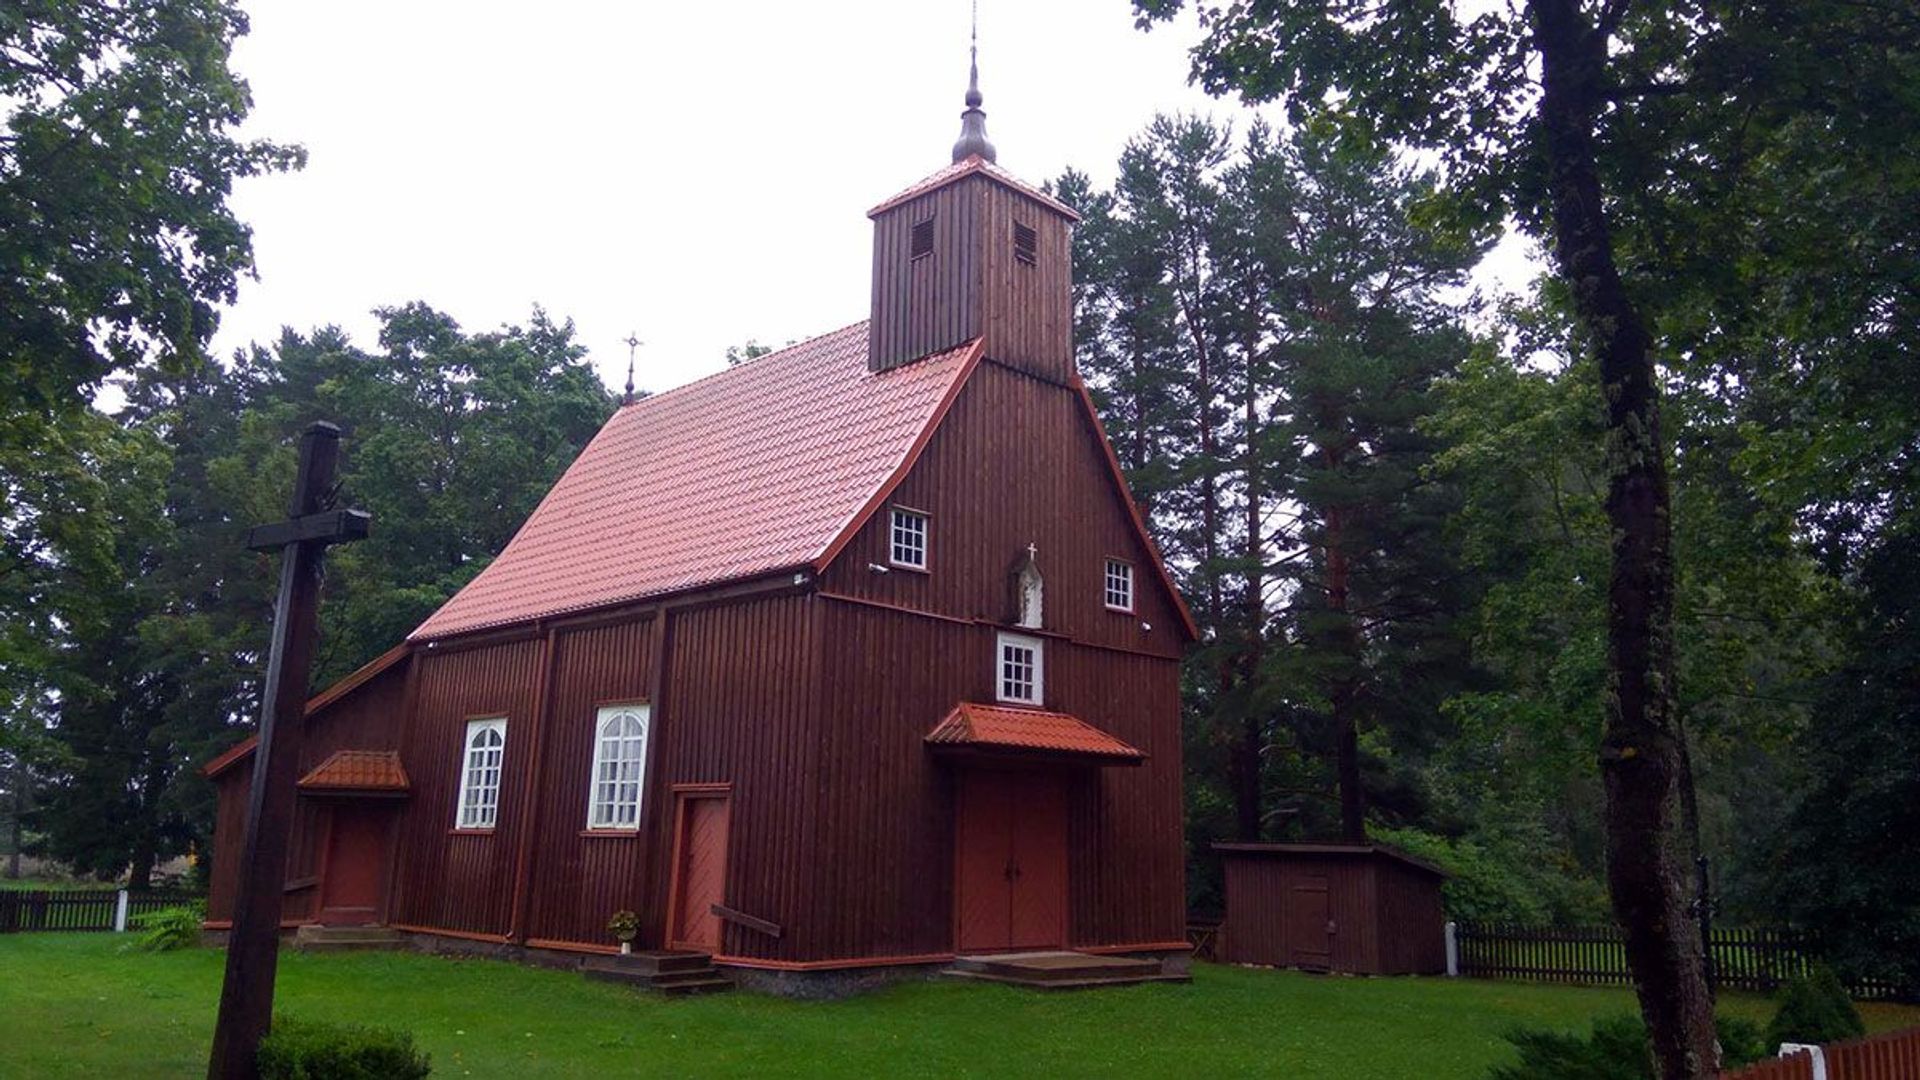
{"x":1037,"y":733}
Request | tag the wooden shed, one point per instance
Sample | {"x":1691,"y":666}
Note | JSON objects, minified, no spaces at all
{"x":1355,"y":908}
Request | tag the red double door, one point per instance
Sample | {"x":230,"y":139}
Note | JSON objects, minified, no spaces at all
{"x":1011,"y":861}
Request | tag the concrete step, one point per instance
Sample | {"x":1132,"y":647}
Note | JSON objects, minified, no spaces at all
{"x":314,"y":938}
{"x":662,"y":972}
{"x":1067,"y":984}
{"x":1060,"y":970}
{"x":1055,"y":966}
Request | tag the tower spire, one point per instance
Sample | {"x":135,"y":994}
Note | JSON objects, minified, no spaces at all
{"x":973,"y":122}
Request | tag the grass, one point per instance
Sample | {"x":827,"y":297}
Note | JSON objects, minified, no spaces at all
{"x":81,"y":1005}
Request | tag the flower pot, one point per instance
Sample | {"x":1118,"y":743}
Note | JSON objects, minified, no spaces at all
{"x":626,"y":948}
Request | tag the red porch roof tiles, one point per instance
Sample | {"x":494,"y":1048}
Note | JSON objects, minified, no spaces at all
{"x":989,"y":727}
{"x":759,"y":469}
{"x":358,"y":770}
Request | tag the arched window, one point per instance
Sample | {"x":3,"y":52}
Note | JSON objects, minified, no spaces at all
{"x":485,"y":750}
{"x":619,"y":767}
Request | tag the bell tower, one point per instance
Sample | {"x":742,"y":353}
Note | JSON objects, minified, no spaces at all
{"x":973,"y":252}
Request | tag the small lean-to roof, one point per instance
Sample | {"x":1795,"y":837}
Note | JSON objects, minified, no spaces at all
{"x":973,"y":165}
{"x":993,"y":728}
{"x":1380,"y":850}
{"x":376,"y":771}
{"x":762,"y":468}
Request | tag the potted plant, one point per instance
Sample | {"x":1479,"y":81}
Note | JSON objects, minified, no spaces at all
{"x":625,"y":926}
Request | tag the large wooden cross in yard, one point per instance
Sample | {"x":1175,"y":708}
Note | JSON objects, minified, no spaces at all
{"x":246,"y":998}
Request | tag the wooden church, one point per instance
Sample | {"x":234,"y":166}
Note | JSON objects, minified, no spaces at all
{"x":857,"y":655}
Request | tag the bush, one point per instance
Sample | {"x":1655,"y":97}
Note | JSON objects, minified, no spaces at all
{"x":1617,"y":1049}
{"x":1815,"y":1009}
{"x":170,"y":928}
{"x":310,"y":1050}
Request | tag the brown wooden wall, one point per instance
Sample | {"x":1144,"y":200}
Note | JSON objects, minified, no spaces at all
{"x":1026,"y":311}
{"x":921,"y":306}
{"x":1386,"y":916}
{"x":971,"y":285}
{"x":367,"y":719}
{"x":577,"y":880}
{"x":1412,"y":920}
{"x":462,"y":881}
{"x":1016,"y":461}
{"x":884,"y":805}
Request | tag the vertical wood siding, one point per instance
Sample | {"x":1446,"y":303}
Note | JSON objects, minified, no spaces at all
{"x":1016,"y":462}
{"x":1386,"y":916}
{"x":921,"y":306}
{"x":740,"y":708}
{"x":1026,"y":311}
{"x":463,"y":881}
{"x":367,"y":719}
{"x":576,"y":881}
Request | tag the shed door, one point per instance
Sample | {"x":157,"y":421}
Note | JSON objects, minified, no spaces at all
{"x":1010,"y":866}
{"x":1309,"y":931}
{"x":355,"y":857}
{"x":700,"y":872}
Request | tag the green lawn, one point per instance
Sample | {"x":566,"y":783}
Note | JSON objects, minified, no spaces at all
{"x":80,"y":1005}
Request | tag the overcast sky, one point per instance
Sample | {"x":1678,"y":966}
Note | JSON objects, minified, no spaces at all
{"x":696,"y":173}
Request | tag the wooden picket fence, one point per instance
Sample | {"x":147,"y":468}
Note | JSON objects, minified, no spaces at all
{"x":1891,"y":1055}
{"x":79,"y":909}
{"x":1744,"y":959}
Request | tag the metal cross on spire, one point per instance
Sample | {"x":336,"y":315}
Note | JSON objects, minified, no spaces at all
{"x":633,"y":343}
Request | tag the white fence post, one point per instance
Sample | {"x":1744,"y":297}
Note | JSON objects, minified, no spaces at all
{"x":1453,"y":949}
{"x":120,"y":912}
{"x":1818,"y":1055}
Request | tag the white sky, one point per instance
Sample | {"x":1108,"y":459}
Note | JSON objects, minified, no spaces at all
{"x":698,"y":173}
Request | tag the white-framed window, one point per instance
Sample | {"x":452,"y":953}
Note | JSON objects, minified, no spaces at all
{"x":481,"y":757}
{"x":907,"y":538}
{"x":1019,"y":669}
{"x":619,"y":767}
{"x":1119,"y":585}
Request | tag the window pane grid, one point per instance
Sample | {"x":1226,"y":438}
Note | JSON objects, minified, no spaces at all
{"x":1119,"y":585}
{"x":1019,"y":670}
{"x":619,"y":765}
{"x":908,"y":539}
{"x":485,"y":753}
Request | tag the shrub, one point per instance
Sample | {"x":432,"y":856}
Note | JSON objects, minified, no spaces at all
{"x":310,"y":1050}
{"x":1617,"y":1049}
{"x":1815,"y":1009}
{"x":169,"y":928}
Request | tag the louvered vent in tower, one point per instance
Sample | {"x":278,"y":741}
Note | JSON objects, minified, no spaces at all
{"x":922,"y":238}
{"x":1025,"y":243}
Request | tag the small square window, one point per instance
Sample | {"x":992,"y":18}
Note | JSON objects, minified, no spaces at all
{"x":1119,"y":585}
{"x":907,"y":539}
{"x":922,"y":239}
{"x":1020,"y":669}
{"x":1026,"y":244}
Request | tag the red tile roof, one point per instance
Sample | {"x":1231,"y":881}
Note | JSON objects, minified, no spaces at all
{"x":358,"y":770}
{"x":765,"y":467}
{"x":969,"y":166}
{"x":990,"y":727}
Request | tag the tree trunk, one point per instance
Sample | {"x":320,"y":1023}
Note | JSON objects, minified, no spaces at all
{"x":1345,"y":686}
{"x":140,"y":877}
{"x":1640,"y":757}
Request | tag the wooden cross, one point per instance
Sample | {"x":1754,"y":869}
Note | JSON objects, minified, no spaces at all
{"x":246,"y":997}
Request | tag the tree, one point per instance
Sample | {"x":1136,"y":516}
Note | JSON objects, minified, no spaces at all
{"x":116,"y":160}
{"x":1260,"y":319}
{"x":1591,"y":123}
